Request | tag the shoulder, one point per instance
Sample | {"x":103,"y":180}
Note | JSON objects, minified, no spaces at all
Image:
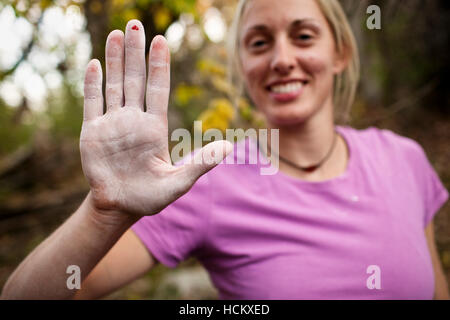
{"x":382,"y":136}
{"x":385,"y":143}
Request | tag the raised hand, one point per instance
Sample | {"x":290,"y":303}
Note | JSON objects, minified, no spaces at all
{"x":124,"y":152}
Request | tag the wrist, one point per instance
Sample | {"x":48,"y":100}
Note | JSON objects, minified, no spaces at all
{"x":108,"y":218}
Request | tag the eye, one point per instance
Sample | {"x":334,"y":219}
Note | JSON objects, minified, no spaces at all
{"x":304,"y":36}
{"x":258,"y":43}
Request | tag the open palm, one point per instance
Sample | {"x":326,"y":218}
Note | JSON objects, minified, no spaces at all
{"x":124,"y":151}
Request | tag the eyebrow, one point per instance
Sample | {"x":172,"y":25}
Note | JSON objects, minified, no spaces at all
{"x":300,"y":22}
{"x":259,"y":27}
{"x":294,"y":24}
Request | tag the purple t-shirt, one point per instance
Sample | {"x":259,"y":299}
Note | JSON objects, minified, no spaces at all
{"x":356,"y":236}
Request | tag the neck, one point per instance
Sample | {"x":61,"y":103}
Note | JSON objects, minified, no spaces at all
{"x":307,"y":143}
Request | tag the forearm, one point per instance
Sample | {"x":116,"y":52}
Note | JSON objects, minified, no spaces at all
{"x":441,"y":285}
{"x":82,"y":241}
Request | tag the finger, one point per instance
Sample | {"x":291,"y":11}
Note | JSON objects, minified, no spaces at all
{"x":93,"y":98}
{"x":134,"y":82}
{"x":206,"y":159}
{"x":114,"y":70}
{"x":158,"y":84}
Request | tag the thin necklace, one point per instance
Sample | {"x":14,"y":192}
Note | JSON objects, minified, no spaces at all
{"x":312,"y":167}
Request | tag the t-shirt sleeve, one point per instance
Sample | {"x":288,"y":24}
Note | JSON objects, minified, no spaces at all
{"x":178,"y":231}
{"x":435,"y":194}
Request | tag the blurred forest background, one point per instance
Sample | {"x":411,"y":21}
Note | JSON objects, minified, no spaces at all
{"x":45,"y":46}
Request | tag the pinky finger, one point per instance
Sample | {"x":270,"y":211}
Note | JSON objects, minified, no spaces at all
{"x":93,"y":97}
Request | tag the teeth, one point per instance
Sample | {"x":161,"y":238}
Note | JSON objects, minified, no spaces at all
{"x":287,"y":88}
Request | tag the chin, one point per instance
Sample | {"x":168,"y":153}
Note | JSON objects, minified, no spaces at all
{"x":287,"y":115}
{"x":279,"y":122}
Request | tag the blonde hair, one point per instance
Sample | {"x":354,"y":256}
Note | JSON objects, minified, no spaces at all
{"x":345,"y":83}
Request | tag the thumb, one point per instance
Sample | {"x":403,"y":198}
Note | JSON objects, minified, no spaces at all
{"x":207,"y":158}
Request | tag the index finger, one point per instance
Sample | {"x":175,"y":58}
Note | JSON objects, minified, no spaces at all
{"x":158,"y":82}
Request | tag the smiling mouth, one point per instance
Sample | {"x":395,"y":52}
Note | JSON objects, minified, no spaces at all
{"x":289,"y":87}
{"x":286,"y":91}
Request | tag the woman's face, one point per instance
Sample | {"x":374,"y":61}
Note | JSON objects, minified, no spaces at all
{"x":287,"y":54}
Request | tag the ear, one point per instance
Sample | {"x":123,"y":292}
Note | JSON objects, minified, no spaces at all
{"x":341,"y":61}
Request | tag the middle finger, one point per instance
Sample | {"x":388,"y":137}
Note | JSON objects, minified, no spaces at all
{"x":134,"y":82}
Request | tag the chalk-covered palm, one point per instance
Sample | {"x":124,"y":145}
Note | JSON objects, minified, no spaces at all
{"x":124,"y":151}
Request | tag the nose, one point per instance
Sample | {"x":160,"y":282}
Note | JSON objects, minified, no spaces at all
{"x":283,"y":59}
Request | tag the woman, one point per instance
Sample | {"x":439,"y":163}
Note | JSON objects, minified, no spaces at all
{"x":348,"y":216}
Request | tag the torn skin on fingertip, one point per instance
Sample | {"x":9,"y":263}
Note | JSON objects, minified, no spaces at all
{"x":135,"y":27}
{"x":93,"y":66}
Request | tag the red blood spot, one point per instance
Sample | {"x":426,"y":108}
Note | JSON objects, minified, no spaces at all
{"x":135,"y":27}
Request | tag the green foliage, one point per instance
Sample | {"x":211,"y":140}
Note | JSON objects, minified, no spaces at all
{"x":65,"y":112}
{"x":179,"y":6}
{"x":163,"y":12}
{"x":185,"y":93}
{"x":162,"y":18}
{"x":13,"y":133}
